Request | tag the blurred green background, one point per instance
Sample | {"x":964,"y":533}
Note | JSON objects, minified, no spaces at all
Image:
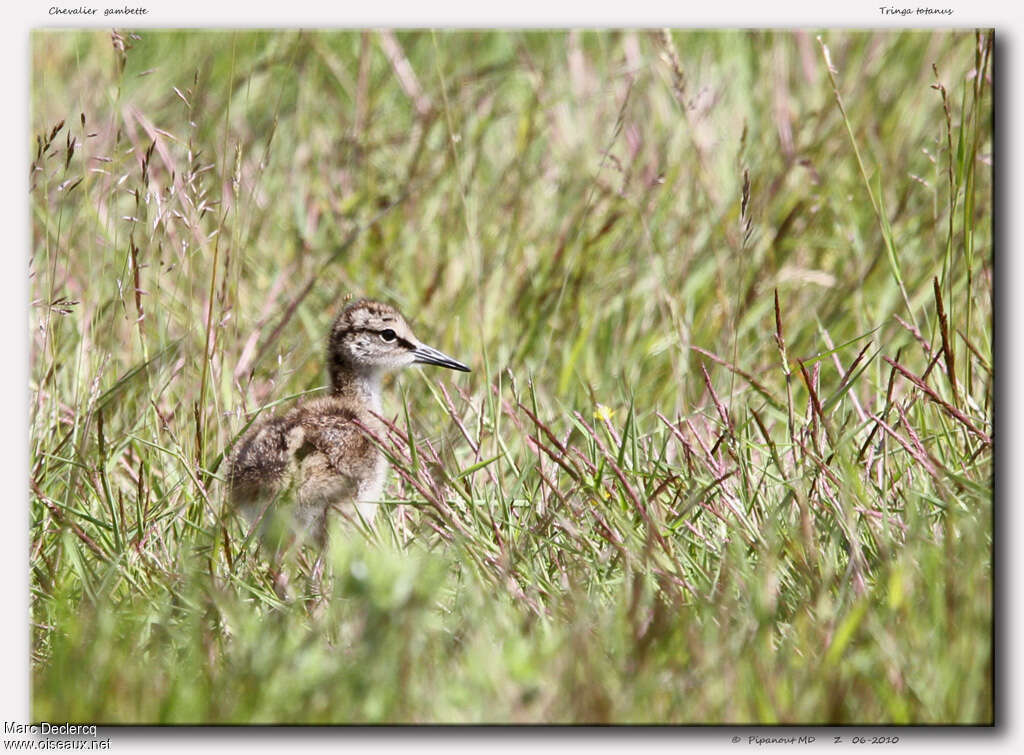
{"x":682,"y":483}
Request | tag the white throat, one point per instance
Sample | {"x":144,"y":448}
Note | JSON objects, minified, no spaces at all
{"x":361,"y":386}
{"x":366,"y":389}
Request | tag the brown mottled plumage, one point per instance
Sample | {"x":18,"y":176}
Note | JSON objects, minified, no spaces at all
{"x":316,"y":456}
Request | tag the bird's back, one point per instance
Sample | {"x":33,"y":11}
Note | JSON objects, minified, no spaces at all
{"x":314,"y":457}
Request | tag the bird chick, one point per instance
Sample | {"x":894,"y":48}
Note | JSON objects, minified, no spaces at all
{"x":316,"y":456}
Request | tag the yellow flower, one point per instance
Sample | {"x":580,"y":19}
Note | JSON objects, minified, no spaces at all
{"x":603,"y":413}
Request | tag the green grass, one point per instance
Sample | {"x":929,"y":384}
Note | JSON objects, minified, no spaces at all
{"x":725,"y":455}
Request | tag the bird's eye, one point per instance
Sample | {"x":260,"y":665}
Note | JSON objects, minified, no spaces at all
{"x":387,"y":335}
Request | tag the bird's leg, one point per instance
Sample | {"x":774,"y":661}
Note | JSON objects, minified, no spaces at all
{"x":317,"y":573}
{"x":277,"y":568}
{"x":281,"y":587}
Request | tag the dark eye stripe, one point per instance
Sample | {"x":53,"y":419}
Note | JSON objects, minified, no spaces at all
{"x":373,"y":331}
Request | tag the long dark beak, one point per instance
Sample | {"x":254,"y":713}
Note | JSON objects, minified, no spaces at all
{"x":428,"y":355}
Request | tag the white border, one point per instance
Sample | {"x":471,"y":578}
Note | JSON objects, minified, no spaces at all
{"x":20,"y":18}
{"x":535,"y":13}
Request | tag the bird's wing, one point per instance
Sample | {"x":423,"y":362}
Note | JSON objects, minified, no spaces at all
{"x":262,"y":464}
{"x":312,"y":458}
{"x":330,"y":431}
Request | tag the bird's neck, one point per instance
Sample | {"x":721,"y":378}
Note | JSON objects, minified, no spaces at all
{"x":360,"y":386}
